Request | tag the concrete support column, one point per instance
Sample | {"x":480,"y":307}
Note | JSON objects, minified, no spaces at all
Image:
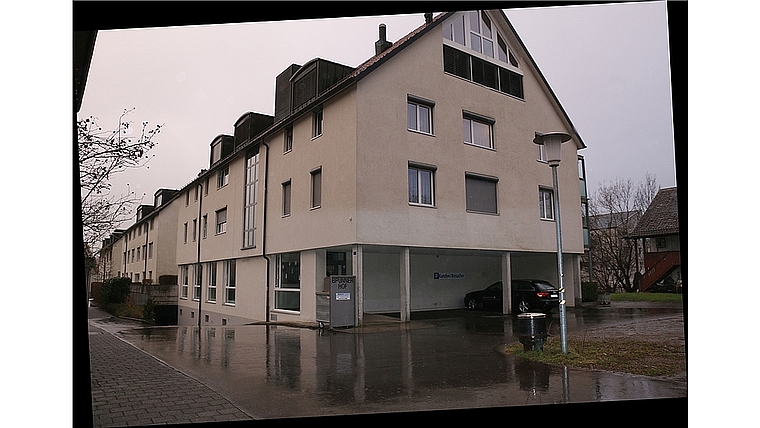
{"x":506,"y":280}
{"x":357,"y":268}
{"x":404,"y":285}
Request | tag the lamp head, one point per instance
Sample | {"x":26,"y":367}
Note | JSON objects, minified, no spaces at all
{"x":552,"y":142}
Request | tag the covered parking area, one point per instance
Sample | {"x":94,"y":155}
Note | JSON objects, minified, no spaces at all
{"x":396,"y":279}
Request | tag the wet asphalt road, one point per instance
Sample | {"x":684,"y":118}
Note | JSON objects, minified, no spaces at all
{"x":440,"y":361}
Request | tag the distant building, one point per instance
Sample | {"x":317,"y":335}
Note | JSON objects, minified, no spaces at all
{"x":659,"y":232}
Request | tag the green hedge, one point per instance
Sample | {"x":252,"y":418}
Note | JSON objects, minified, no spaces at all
{"x":590,"y":291}
{"x":115,"y":290}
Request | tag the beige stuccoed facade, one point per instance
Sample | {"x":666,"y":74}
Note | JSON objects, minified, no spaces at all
{"x":406,"y":256}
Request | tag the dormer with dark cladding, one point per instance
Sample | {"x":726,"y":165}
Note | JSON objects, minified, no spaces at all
{"x":297,"y":85}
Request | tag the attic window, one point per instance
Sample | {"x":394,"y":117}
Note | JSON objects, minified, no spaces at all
{"x":476,"y":30}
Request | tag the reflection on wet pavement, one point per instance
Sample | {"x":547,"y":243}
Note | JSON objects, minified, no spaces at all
{"x":279,"y":371}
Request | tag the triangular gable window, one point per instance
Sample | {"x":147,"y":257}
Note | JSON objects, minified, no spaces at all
{"x":475,"y":30}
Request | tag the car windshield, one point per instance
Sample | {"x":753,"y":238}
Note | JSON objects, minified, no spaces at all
{"x":545,"y":286}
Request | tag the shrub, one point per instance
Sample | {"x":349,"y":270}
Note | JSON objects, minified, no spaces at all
{"x":115,"y":290}
{"x":149,"y":309}
{"x":590,"y":291}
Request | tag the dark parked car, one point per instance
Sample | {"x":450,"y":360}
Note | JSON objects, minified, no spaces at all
{"x":527,"y":295}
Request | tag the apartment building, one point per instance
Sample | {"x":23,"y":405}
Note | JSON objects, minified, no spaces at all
{"x":147,"y":249}
{"x":414,"y":172}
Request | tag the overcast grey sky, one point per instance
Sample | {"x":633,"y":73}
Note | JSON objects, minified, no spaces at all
{"x":608,"y":65}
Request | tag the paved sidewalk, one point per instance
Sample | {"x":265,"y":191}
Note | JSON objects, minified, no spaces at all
{"x":130,"y":387}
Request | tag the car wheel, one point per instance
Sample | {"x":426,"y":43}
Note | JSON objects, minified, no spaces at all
{"x":523,"y":306}
{"x":472,"y":304}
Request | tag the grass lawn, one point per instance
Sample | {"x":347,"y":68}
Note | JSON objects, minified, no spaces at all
{"x":646,"y":297}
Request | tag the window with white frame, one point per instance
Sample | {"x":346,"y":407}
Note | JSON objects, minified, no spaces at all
{"x":316,"y":188}
{"x":184,"y":281}
{"x":487,"y":58}
{"x":454,"y":30}
{"x":204,"y":226}
{"x":286,"y":198}
{"x":421,"y":185}
{"x":419,"y":115}
{"x":228,"y":267}
{"x":546,"y":203}
{"x":477,"y":130}
{"x":251,"y":197}
{"x":481,"y":194}
{"x":211,"y":282}
{"x":221,"y":221}
{"x":197,"y":280}
{"x":541,"y":152}
{"x":288,"y":143}
{"x":287,"y":295}
{"x":317,"y":123}
{"x":223,"y":177}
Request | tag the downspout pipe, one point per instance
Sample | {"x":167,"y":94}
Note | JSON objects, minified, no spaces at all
{"x":264,"y":230}
{"x":199,"y":237}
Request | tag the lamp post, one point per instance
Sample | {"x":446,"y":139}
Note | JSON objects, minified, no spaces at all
{"x":552,"y":143}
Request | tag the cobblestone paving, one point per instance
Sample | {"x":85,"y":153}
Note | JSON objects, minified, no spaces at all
{"x":131,"y":388}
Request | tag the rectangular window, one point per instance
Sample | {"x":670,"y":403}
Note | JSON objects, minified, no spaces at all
{"x":221,"y":221}
{"x":546,"y":204}
{"x":251,"y":197}
{"x":184,"y":240}
{"x":541,"y":152}
{"x":286,"y":198}
{"x":316,"y":188}
{"x":287,"y":295}
{"x":196,"y":193}
{"x":138,"y":254}
{"x":421,"y":185}
{"x":205,"y":188}
{"x":197,"y":279}
{"x":183,"y":281}
{"x":419,"y":115}
{"x":288,"y":145}
{"x":205,"y":226}
{"x":477,"y":130}
{"x":229,"y":281}
{"x":481,"y":194}
{"x":150,"y":250}
{"x":151,"y":224}
{"x":223,"y":177}
{"x":317,"y":123}
{"x":195,"y":228}
{"x":211,"y":282}
{"x":187,"y":198}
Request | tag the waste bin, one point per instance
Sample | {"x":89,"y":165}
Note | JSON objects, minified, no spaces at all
{"x":531,"y":330}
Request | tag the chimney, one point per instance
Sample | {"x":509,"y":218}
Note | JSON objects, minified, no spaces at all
{"x":428,"y":18}
{"x":382,"y":44}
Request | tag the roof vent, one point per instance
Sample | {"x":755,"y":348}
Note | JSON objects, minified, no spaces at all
{"x":382,"y":44}
{"x":428,"y":18}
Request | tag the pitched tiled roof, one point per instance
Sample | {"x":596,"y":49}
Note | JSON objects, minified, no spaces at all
{"x":661,"y":218}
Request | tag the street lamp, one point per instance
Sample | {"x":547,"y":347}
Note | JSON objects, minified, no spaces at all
{"x":552,"y":143}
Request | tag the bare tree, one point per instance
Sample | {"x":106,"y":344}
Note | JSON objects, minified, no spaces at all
{"x":102,"y":154}
{"x":614,"y":211}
